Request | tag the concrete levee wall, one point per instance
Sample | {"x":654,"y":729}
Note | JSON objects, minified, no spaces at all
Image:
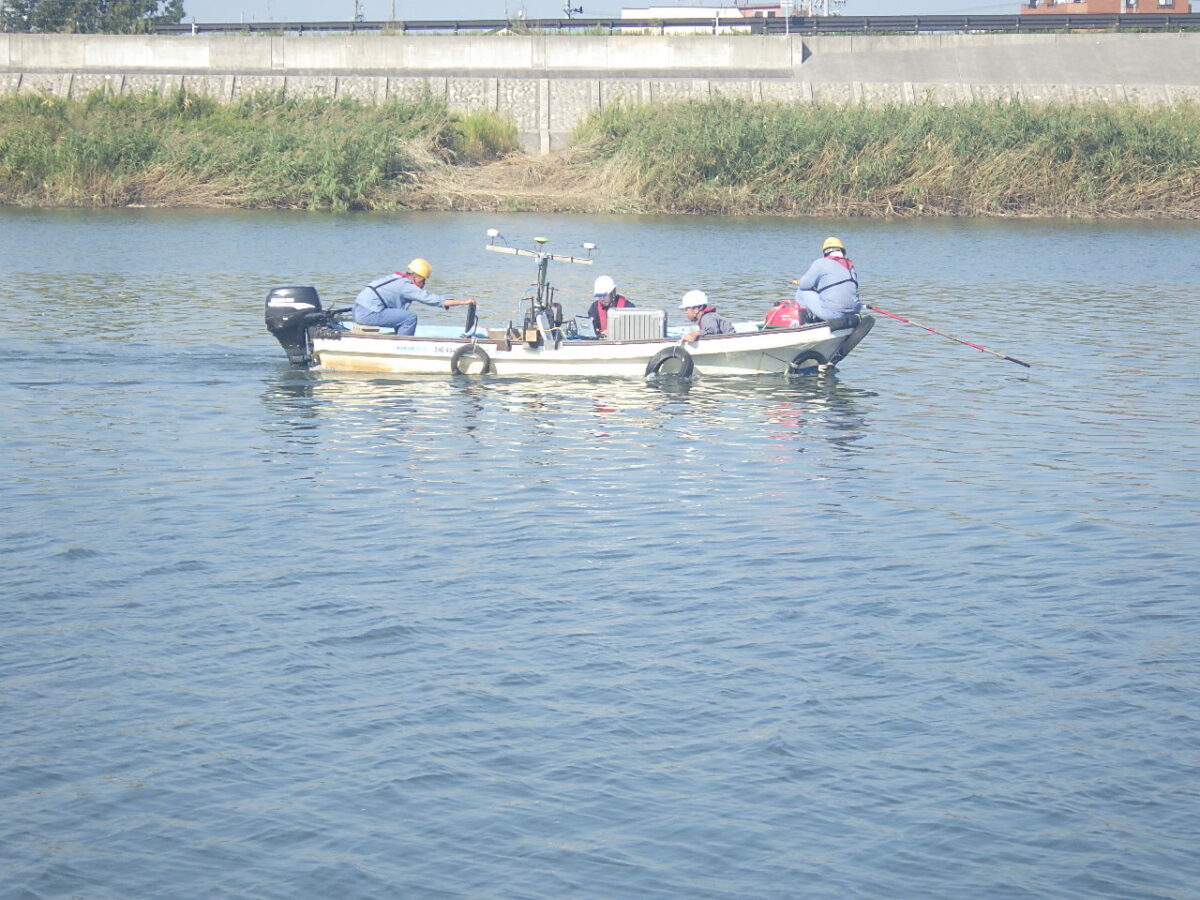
{"x":549,"y":83}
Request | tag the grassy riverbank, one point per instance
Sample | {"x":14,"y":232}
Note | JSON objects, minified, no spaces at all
{"x":989,"y":159}
{"x":266,"y":151}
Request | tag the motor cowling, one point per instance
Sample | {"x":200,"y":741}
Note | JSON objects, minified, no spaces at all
{"x":289,"y":312}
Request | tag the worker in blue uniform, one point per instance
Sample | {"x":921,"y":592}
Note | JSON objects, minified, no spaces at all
{"x":385,"y":301}
{"x":829,"y":289}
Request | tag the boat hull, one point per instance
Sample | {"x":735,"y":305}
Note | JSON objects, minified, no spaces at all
{"x":752,"y":353}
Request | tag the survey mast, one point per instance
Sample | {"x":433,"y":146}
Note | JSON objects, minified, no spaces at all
{"x":544,"y":316}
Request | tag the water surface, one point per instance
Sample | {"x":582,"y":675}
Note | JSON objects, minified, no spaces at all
{"x":925,"y":628}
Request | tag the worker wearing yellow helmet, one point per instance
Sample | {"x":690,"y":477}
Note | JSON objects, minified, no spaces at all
{"x":385,"y":301}
{"x":829,"y":289}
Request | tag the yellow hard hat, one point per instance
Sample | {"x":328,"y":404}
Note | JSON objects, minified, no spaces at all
{"x":832,"y":243}
{"x":420,"y":267}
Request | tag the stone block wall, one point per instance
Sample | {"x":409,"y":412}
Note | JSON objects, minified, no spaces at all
{"x":548,"y":84}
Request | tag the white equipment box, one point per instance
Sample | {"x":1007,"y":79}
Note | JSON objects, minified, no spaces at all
{"x":637,"y":324}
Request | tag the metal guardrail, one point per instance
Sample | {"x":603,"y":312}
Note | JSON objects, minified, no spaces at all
{"x":1008,"y":24}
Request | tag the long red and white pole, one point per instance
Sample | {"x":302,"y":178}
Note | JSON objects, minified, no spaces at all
{"x":898,"y":318}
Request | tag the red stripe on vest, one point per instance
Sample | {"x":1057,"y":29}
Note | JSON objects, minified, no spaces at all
{"x":602,"y":311}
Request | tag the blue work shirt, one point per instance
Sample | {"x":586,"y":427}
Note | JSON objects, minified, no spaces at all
{"x":829,"y":290}
{"x":391,"y":292}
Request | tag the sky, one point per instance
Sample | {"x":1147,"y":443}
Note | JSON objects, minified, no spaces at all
{"x":374,"y":10}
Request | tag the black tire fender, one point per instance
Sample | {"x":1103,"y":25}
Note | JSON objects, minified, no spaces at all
{"x":806,"y":363}
{"x":460,"y":362}
{"x":866,"y":323}
{"x":672,"y":361}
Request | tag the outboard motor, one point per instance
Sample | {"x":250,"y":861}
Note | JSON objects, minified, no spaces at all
{"x":290,"y":310}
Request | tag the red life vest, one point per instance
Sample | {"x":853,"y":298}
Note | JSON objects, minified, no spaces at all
{"x":602,"y":310}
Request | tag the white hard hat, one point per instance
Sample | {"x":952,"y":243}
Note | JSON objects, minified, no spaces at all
{"x":693,"y":298}
{"x":604,"y":285}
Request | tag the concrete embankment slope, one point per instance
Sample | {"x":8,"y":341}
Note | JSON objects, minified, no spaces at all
{"x":548,"y":83}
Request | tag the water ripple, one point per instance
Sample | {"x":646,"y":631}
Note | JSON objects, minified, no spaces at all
{"x":924,"y":627}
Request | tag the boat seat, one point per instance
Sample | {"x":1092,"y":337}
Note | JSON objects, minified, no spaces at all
{"x":364,"y":329}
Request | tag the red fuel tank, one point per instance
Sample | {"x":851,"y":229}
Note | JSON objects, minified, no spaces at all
{"x":784,"y":314}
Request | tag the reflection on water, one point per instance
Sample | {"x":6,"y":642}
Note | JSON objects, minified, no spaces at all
{"x":361,"y":410}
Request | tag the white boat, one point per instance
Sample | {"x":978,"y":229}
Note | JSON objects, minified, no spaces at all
{"x":639,"y":342}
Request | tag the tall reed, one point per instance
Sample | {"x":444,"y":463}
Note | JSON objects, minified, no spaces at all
{"x":264,"y":150}
{"x":1001,"y":158}
{"x":976,"y":159}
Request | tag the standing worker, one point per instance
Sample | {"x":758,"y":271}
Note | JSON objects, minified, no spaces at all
{"x":829,"y":289}
{"x":605,"y":292}
{"x":696,"y":307}
{"x":385,"y":301}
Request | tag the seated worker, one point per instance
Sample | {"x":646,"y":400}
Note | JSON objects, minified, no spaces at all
{"x":696,"y":307}
{"x":385,"y":301}
{"x":605,"y":292}
{"x":829,"y":289}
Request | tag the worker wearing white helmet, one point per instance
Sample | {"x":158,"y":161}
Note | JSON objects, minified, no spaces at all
{"x":696,"y":307}
{"x":386,"y":300}
{"x":606,"y":297}
{"x":829,"y":289}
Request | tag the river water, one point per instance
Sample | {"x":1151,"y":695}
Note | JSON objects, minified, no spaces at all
{"x":924,"y":628}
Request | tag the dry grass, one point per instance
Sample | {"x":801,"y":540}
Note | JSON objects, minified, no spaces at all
{"x":560,"y":182}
